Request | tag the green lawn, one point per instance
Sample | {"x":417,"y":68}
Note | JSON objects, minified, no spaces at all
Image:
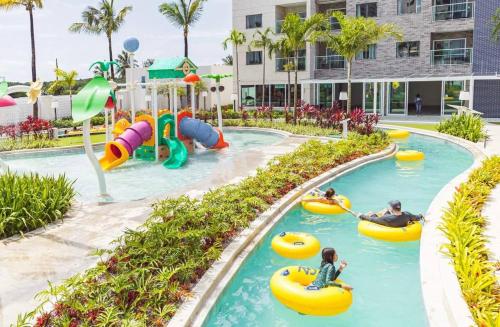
{"x":429,"y":127}
{"x":78,"y":140}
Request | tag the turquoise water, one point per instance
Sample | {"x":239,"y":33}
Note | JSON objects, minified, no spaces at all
{"x":139,"y":179}
{"x":385,"y":276}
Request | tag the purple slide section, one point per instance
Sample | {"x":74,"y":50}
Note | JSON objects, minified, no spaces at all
{"x":134,"y":136}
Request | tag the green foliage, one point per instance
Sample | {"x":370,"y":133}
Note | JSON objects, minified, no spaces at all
{"x":303,"y":129}
{"x":31,"y":201}
{"x":26,"y":143}
{"x":468,"y":127}
{"x":152,"y":269}
{"x":463,"y":226}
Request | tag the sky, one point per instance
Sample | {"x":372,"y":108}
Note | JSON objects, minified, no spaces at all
{"x":157,"y":36}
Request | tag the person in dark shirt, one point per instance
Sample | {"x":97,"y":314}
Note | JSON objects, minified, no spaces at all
{"x":392,"y":217}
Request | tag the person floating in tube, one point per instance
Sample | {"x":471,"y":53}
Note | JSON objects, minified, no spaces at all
{"x":392,"y":216}
{"x":327,"y":273}
{"x":327,"y":197}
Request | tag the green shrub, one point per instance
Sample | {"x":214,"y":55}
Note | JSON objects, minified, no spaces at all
{"x":145,"y":278}
{"x":464,"y":225}
{"x":26,"y":143}
{"x":468,"y":127}
{"x":31,"y":201}
{"x":97,"y":120}
{"x":303,"y":129}
{"x":66,"y":122}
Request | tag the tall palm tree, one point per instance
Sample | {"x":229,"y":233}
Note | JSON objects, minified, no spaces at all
{"x":105,"y":19}
{"x":29,"y":5}
{"x":183,"y":14}
{"x":297,"y":33}
{"x":281,"y":47}
{"x":123,"y":61}
{"x":235,"y":38}
{"x":356,"y":35}
{"x":495,"y":32}
{"x":262,"y":40}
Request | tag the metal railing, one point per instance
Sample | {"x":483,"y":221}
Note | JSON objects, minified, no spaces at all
{"x":453,"y":11}
{"x":281,"y":62}
{"x":330,"y":62}
{"x":461,"y":56}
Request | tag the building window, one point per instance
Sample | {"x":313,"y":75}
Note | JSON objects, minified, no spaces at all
{"x":288,"y":59}
{"x":248,"y":95}
{"x":408,"y":49}
{"x":254,"y":57}
{"x":409,"y":7}
{"x":452,"y":9}
{"x":254,"y":21}
{"x":451,"y":52}
{"x":366,"y":9}
{"x":369,"y":53}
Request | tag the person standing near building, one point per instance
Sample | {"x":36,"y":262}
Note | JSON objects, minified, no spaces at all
{"x":418,"y":104}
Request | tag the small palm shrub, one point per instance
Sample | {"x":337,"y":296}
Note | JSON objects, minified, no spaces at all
{"x":26,"y":143}
{"x":30,"y":201}
{"x":144,"y":279}
{"x":469,"y":127}
{"x":463,"y":226}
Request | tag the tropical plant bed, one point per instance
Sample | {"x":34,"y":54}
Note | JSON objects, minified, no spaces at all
{"x":31,"y":201}
{"x":145,"y":278}
{"x":303,"y":129}
{"x":468,"y":127}
{"x":464,"y":227}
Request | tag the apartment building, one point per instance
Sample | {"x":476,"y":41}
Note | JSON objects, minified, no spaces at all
{"x":447,"y":56}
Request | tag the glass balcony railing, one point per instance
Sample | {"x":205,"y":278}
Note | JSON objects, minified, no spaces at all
{"x":281,"y":62}
{"x":330,"y":62}
{"x":453,"y":11}
{"x":334,"y":24}
{"x":462,"y":56}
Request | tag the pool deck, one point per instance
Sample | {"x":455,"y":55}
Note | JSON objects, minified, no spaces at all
{"x":63,"y":249}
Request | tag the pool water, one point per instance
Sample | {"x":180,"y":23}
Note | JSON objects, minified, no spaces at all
{"x":138,"y":179}
{"x":385,"y":276}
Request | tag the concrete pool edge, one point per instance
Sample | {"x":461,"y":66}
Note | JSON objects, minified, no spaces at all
{"x":441,"y":291}
{"x":194,"y":310}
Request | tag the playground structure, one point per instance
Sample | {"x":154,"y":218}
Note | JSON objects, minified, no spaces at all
{"x":166,"y":135}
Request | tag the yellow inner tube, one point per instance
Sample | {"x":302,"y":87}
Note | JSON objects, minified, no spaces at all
{"x":398,"y":134}
{"x":326,"y":209}
{"x":410,"y":155}
{"x":295,"y":245}
{"x":411,"y":232}
{"x":289,"y":287}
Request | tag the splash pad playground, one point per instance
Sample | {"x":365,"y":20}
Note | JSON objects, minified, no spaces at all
{"x":167,"y":136}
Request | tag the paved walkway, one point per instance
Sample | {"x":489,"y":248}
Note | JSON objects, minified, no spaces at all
{"x":62,"y":250}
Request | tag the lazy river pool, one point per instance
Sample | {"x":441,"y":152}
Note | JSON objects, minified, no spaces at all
{"x":385,"y":276}
{"x":139,"y":179}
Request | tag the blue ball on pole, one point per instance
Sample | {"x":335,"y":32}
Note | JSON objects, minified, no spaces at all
{"x":131,"y":44}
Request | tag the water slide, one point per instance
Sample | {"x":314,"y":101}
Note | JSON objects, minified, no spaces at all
{"x":118,"y":151}
{"x":208,"y":136}
{"x":178,"y":151}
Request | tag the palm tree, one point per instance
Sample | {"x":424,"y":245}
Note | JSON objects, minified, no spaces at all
{"x":495,"y":32}
{"x":183,"y":14}
{"x":228,"y":60}
{"x":356,"y":35}
{"x":123,"y":61}
{"x":199,"y":87}
{"x":66,"y":79}
{"x":297,"y":33}
{"x":281,"y":47}
{"x":29,"y":5}
{"x":105,"y":19}
{"x":262,"y":40}
{"x":235,"y":38}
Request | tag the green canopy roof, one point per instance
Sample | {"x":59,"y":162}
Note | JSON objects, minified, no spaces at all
{"x":177,"y":67}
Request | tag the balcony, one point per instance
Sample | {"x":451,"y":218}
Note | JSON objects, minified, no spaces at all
{"x":453,"y":11}
{"x":330,"y":62}
{"x":281,"y":62}
{"x":460,"y":56}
